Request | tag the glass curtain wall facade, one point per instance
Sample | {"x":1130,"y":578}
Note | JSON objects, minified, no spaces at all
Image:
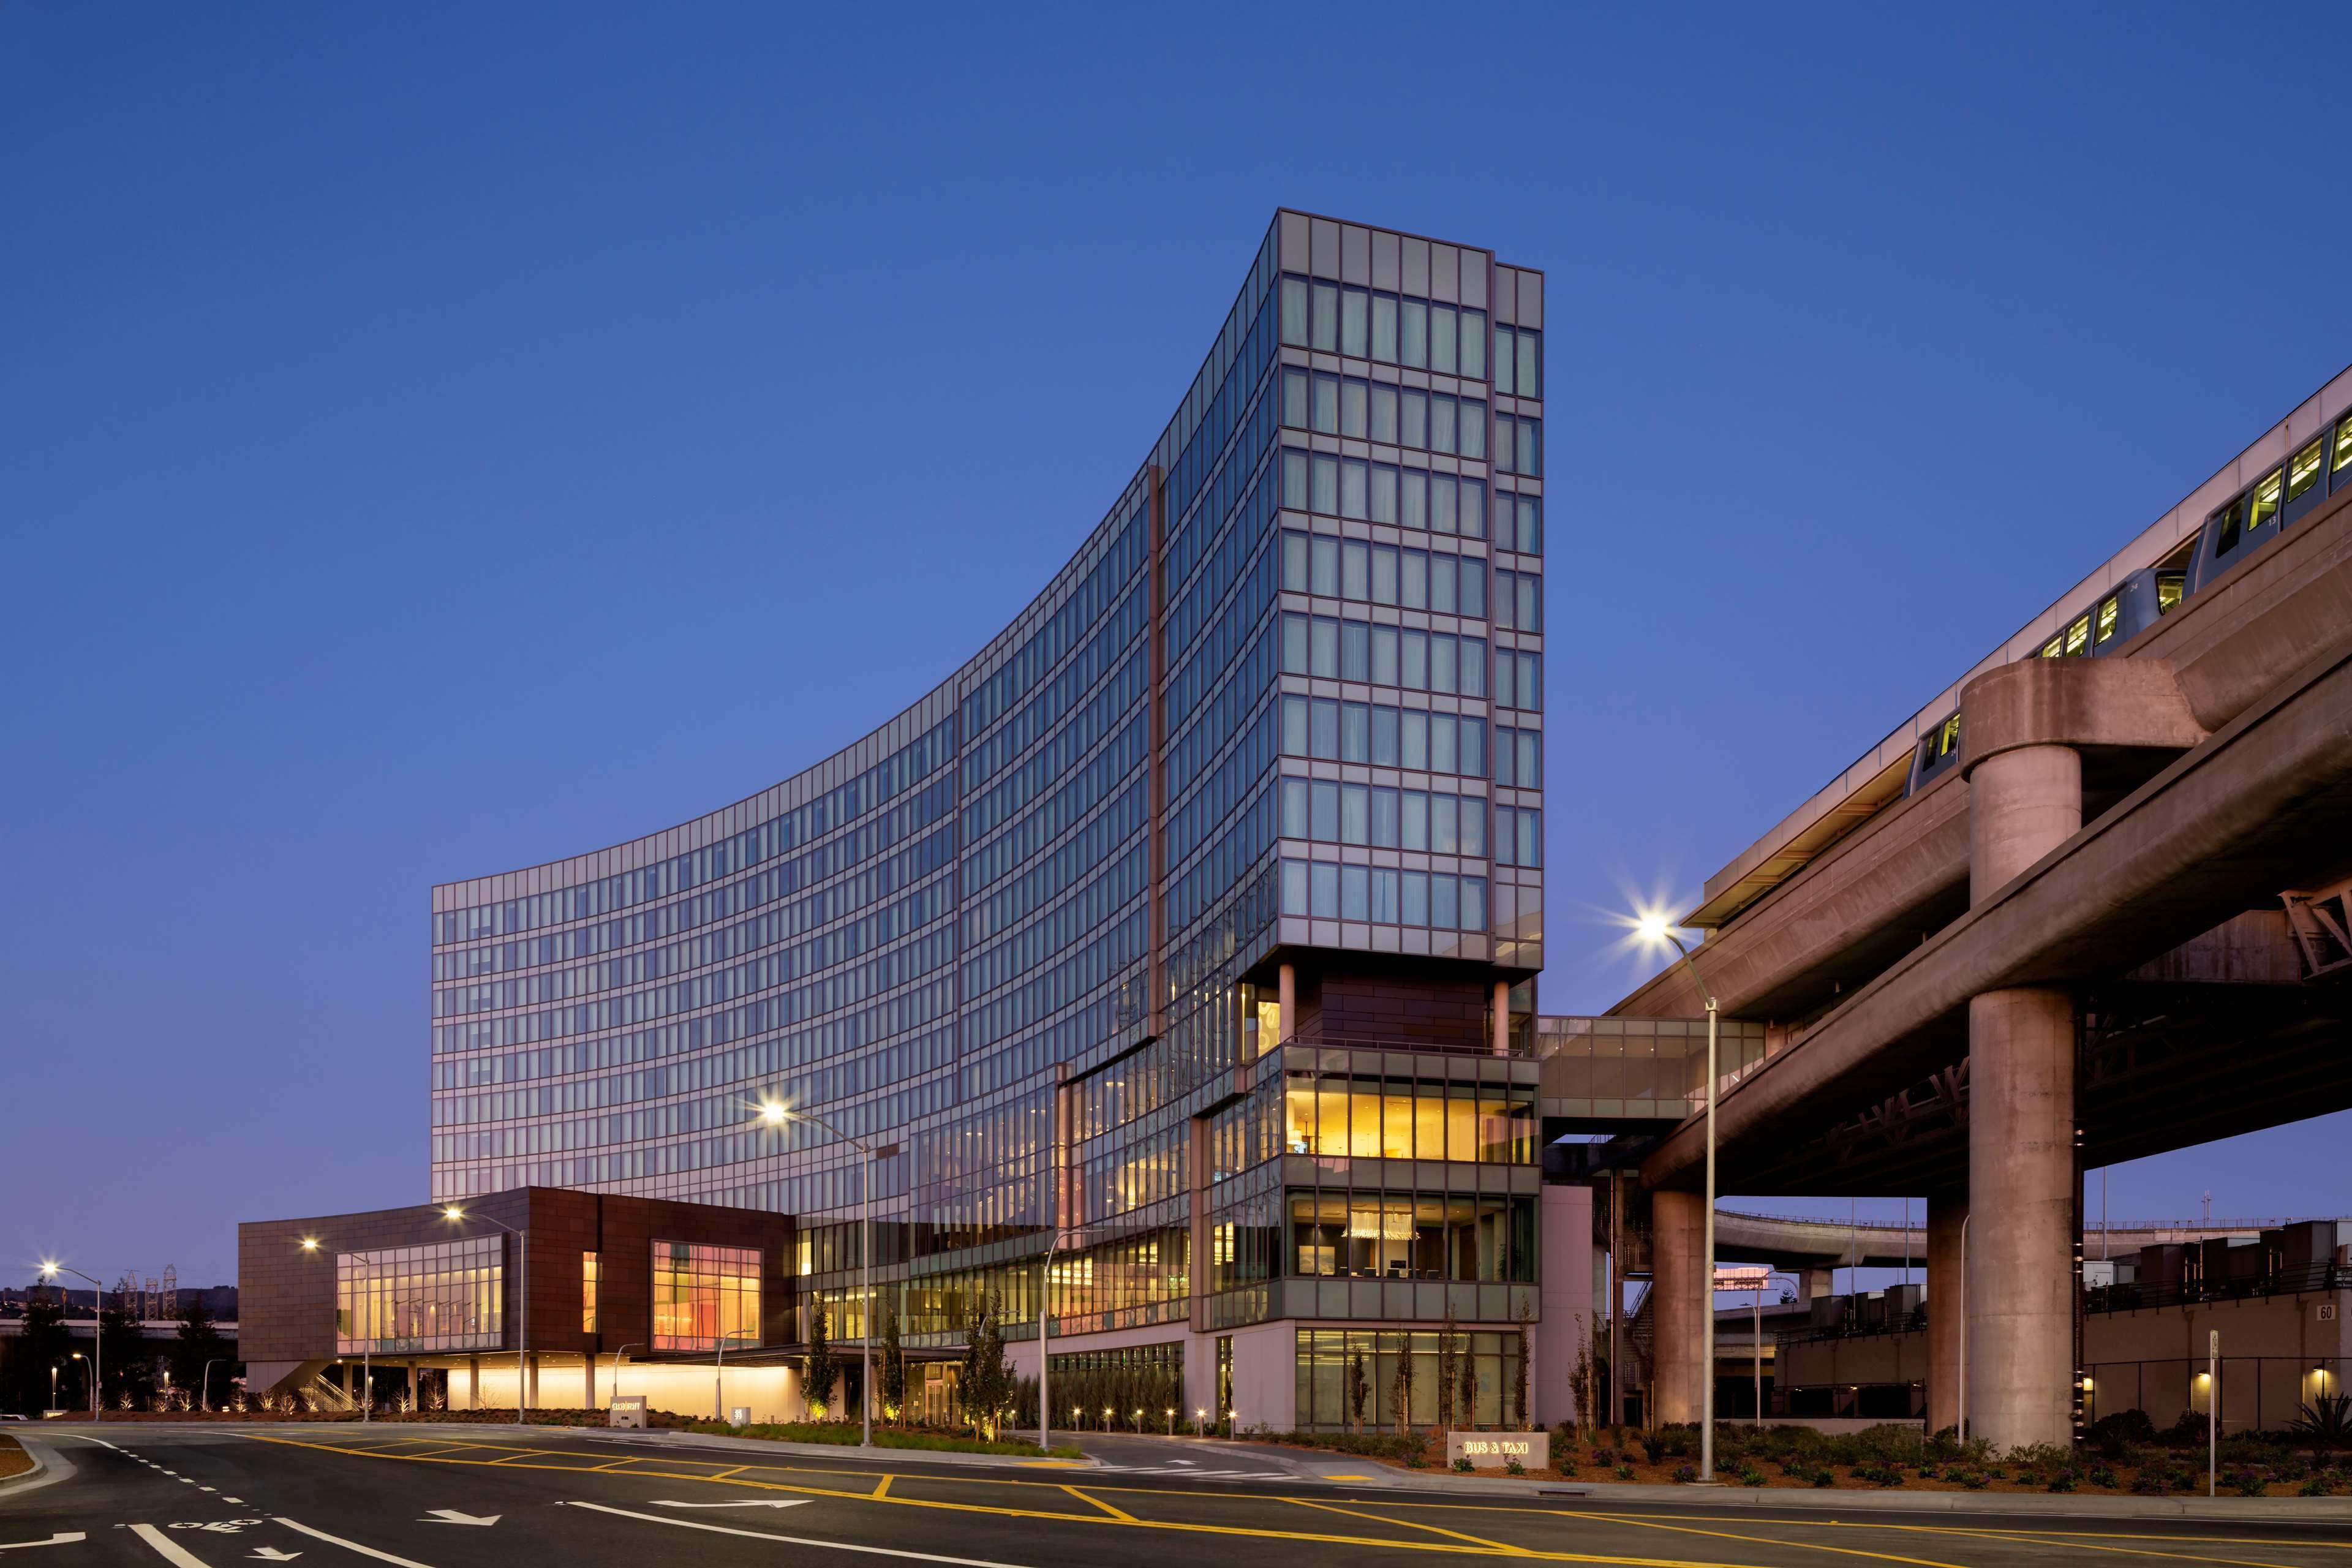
{"x":1280,"y":715}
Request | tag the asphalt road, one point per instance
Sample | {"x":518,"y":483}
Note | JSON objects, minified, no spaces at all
{"x":457,"y":1496}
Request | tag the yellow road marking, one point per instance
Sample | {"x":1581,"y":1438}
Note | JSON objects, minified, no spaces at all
{"x":882,"y":1489}
{"x":1405,"y":1524}
{"x":1119,"y":1513}
{"x":2027,"y":1538}
{"x":1125,"y":1523}
{"x":1760,"y":1540}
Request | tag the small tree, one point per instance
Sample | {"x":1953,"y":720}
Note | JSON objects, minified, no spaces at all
{"x":1466,"y":1395}
{"x":1401,"y":1392}
{"x":819,"y":1370}
{"x":43,"y":1343}
{"x":1520,"y":1371}
{"x":1359,"y":1388}
{"x":200,"y":1342}
{"x":1447,"y":1355}
{"x":894,"y":1372}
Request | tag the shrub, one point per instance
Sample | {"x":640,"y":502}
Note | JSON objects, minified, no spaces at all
{"x":2103,"y":1475}
{"x":1625,"y":1472}
{"x":1413,"y":1461}
{"x":1513,"y":1468}
{"x":2151,"y":1480}
{"x":2113,"y":1435}
{"x":1927,"y":1472}
{"x":2316,"y":1487}
{"x":1463,"y":1466}
{"x":1824,"y":1477}
{"x":2250,"y":1483}
{"x":1685,"y":1474}
{"x":1879,"y":1474}
{"x":1747,"y":1475}
{"x":1975,"y":1480}
{"x":2064,"y":1481}
{"x":1653,"y":1445}
{"x":2327,"y":1421}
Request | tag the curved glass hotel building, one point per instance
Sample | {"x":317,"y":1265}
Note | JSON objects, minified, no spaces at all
{"x":1195,"y":921}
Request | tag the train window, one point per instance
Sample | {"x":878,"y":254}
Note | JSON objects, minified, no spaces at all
{"x":2264,"y":506}
{"x":2344,"y":447}
{"x":2230,"y":520}
{"x":1946,"y":740}
{"x":2078,"y":637}
{"x":2305,"y":469}
{"x":2107,"y":608}
{"x":2055,"y":648}
{"x":2170,"y":586}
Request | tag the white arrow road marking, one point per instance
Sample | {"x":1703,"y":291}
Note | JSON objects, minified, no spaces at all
{"x":748,"y":1503}
{"x":793,"y":1540}
{"x":168,"y":1550}
{"x":63,"y":1538}
{"x":271,"y":1554}
{"x":451,"y":1516}
{"x":296,"y":1524}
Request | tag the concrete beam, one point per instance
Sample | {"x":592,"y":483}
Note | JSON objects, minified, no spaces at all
{"x":2134,"y":703}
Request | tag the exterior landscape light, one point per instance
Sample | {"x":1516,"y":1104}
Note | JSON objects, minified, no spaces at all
{"x":310,"y":1243}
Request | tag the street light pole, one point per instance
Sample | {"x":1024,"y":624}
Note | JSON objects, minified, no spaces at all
{"x":453,"y":1214}
{"x":96,"y":1334}
{"x":1045,"y":1328}
{"x":774,"y":1111}
{"x":1658,"y":926}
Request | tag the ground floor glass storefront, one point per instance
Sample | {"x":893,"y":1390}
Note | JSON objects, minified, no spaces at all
{"x":1492,"y":1358}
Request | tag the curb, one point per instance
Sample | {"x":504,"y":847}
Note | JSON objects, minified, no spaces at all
{"x":40,"y":1468}
{"x":49,"y":1469}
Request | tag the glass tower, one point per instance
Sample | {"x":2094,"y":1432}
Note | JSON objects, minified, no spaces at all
{"x":1195,"y":920}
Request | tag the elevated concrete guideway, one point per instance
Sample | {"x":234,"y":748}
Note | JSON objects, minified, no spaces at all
{"x":2079,"y":944}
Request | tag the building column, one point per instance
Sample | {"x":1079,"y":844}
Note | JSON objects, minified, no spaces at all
{"x":1502,"y":1017}
{"x":1820,"y":1280}
{"x":1287,"y":998}
{"x":1679,"y":1280}
{"x":528,"y":1394}
{"x":1947,"y":1214}
{"x":589,"y":1361}
{"x":1563,"y":1330}
{"x":473,"y":1382}
{"x":2022,"y":802}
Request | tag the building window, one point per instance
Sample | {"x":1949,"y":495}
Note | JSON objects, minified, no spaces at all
{"x":589,"y":1268}
{"x":704,"y":1294}
{"x":448,"y":1296}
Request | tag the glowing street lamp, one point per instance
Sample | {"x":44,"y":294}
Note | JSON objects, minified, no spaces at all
{"x":1652,"y":929}
{"x":96,"y":1333}
{"x":455,"y":1215}
{"x":775,"y":1113}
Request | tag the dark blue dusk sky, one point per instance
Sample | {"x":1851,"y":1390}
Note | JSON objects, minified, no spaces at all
{"x":438,"y":439}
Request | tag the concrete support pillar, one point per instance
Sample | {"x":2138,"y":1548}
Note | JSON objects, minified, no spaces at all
{"x":1820,"y":1280}
{"x":1502,"y":1017}
{"x":590,"y":1361}
{"x":1286,"y":996}
{"x":1947,"y":1214}
{"x":2021,"y":1179}
{"x":2022,"y":804}
{"x":1680,"y":1280}
{"x":473,"y":1382}
{"x":529,"y":1394}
